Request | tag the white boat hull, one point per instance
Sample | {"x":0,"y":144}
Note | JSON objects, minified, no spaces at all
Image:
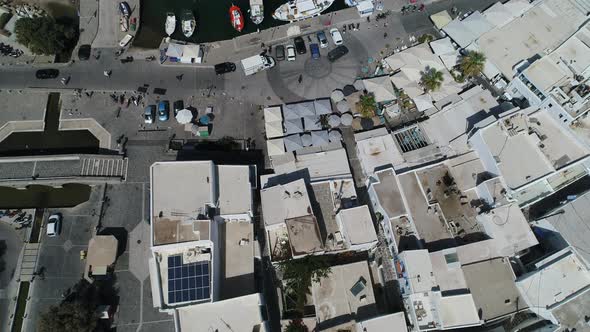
{"x":297,"y":10}
{"x":256,"y":11}
{"x":170,"y":24}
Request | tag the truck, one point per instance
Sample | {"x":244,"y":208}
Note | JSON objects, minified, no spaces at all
{"x":256,"y":63}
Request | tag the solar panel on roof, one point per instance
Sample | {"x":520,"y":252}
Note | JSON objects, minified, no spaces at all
{"x":187,"y":282}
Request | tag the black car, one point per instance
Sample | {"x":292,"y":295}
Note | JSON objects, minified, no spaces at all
{"x":178,"y":105}
{"x":225,"y":67}
{"x":337,"y":53}
{"x":300,"y":45}
{"x":47,"y":73}
{"x":84,"y":52}
{"x":280,"y":52}
{"x":127,"y":59}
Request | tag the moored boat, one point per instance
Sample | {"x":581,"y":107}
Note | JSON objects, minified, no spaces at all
{"x":296,"y":10}
{"x":124,"y":8}
{"x":170,"y":25}
{"x":256,"y":11}
{"x":188,"y":23}
{"x":237,"y":19}
{"x":124,"y":23}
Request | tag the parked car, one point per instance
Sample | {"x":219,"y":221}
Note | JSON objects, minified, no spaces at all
{"x":322,"y":39}
{"x":84,"y":52}
{"x":178,"y":105}
{"x":127,"y":59}
{"x":280,"y":52}
{"x":315,"y":50}
{"x":290,"y":53}
{"x":300,"y":45}
{"x":163,"y":110}
{"x":43,"y":74}
{"x":337,"y":53}
{"x":149,"y":114}
{"x":224,"y":67}
{"x":336,"y":36}
{"x":54,"y":225}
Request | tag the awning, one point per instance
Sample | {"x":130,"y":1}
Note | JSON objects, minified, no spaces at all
{"x":441,"y":19}
{"x":275,"y":146}
{"x":174,"y":50}
{"x":381,"y":88}
{"x":293,"y":142}
{"x":322,"y":106}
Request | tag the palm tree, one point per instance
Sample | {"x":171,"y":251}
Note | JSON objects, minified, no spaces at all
{"x":431,"y":79}
{"x":472,"y":63}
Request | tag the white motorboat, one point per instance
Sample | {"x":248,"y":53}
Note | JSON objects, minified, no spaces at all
{"x":296,"y":10}
{"x":170,"y":23}
{"x":256,"y":11}
{"x":188,"y":23}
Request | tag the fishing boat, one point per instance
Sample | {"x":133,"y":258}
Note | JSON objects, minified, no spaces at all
{"x":237,"y":19}
{"x":124,"y":23}
{"x":188,"y":23}
{"x":170,"y":23}
{"x":297,"y":10}
{"x":256,"y":11}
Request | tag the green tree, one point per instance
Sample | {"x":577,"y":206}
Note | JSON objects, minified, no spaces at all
{"x":79,"y":309}
{"x":431,"y":79}
{"x":425,"y":38}
{"x":472,"y":63}
{"x":299,"y":273}
{"x":46,"y":36}
{"x":296,"y":325}
{"x":68,"y":316}
{"x":366,"y":105}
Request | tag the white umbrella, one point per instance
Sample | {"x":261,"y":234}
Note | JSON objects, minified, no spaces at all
{"x":335,"y":136}
{"x":184,"y":116}
{"x":343,"y":106}
{"x":334,"y":120}
{"x":337,"y":95}
{"x":306,"y":139}
{"x":346,"y":119}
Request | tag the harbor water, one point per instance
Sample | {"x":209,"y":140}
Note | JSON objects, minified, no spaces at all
{"x":213,"y":22}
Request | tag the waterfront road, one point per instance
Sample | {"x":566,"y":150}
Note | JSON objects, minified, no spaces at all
{"x":89,"y":75}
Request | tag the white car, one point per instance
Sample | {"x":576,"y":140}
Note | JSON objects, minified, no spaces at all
{"x":54,"y":225}
{"x":336,"y":36}
{"x":290,"y":53}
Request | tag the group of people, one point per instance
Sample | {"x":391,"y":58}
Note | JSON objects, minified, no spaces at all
{"x":7,"y":50}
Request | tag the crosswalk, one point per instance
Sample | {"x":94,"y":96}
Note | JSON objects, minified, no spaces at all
{"x":29,"y":261}
{"x":104,"y":167}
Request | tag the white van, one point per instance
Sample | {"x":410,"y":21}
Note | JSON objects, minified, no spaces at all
{"x":54,"y":225}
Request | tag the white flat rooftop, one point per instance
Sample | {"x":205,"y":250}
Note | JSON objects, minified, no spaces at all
{"x":240,"y":314}
{"x":235,"y":189}
{"x":357,"y":225}
{"x":507,"y":226}
{"x":558,"y":279}
{"x":392,"y":322}
{"x":283,"y":202}
{"x":541,"y":28}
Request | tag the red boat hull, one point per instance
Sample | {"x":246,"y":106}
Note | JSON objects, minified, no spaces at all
{"x":236,"y":17}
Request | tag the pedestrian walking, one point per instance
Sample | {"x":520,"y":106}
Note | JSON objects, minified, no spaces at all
{"x":300,"y":78}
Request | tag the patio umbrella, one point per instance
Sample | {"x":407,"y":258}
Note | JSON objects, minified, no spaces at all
{"x":335,"y":136}
{"x":348,"y":90}
{"x":184,"y":116}
{"x":306,"y":139}
{"x":334,"y":120}
{"x":204,"y":120}
{"x":346,"y":119}
{"x":293,"y":142}
{"x":343,"y":106}
{"x":320,"y":138}
{"x":359,"y":85}
{"x":337,"y":95}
